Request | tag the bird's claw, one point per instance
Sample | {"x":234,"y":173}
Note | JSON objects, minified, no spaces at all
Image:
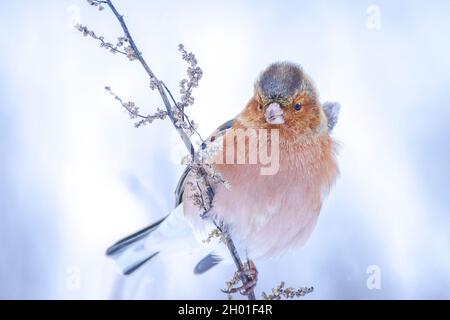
{"x":251,"y":274}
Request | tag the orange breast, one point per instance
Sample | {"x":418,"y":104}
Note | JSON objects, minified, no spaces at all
{"x":271,"y":213}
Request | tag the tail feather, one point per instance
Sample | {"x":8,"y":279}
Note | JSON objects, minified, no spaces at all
{"x":125,"y":243}
{"x":132,"y":268}
{"x":208,"y":262}
{"x":130,"y":253}
{"x":170,"y":234}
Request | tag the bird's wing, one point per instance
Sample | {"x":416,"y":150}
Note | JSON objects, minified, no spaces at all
{"x":220,"y":131}
{"x":332,"y":110}
{"x":211,"y":260}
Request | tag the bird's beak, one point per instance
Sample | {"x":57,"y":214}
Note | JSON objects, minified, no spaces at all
{"x":274,"y":114}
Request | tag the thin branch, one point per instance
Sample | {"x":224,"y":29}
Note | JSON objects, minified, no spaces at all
{"x":153,"y":78}
{"x":133,"y":111}
{"x":237,"y":260}
{"x":280,"y":292}
{"x":186,"y":140}
{"x":103,"y":44}
{"x":185,"y":116}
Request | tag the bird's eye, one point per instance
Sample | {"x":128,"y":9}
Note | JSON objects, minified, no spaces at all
{"x":260,"y":107}
{"x":298,"y":107}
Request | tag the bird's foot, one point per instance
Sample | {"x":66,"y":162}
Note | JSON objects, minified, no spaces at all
{"x":251,"y":275}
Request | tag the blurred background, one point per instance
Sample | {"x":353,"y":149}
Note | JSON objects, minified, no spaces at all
{"x":75,"y":175}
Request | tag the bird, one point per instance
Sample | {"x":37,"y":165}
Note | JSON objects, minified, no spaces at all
{"x":265,"y":214}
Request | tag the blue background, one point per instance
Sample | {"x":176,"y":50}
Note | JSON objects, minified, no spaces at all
{"x":75,"y":175}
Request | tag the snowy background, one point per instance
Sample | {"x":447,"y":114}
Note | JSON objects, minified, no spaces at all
{"x":75,"y":175}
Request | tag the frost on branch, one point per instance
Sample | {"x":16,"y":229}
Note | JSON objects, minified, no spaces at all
{"x":201,"y":193}
{"x":133,"y":111}
{"x":281,"y":292}
{"x":215,"y":233}
{"x":118,"y":47}
{"x":194,"y":73}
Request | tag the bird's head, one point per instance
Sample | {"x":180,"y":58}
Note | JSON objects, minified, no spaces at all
{"x":284,"y":98}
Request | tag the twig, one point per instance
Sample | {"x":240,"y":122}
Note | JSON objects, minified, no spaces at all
{"x":281,"y":292}
{"x":185,"y":116}
{"x":237,"y":261}
{"x":133,"y":111}
{"x":103,"y":44}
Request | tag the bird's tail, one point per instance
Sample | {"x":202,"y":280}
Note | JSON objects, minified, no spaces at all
{"x":135,"y":250}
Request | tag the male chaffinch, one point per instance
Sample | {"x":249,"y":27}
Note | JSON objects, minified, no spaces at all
{"x":265,"y":213}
